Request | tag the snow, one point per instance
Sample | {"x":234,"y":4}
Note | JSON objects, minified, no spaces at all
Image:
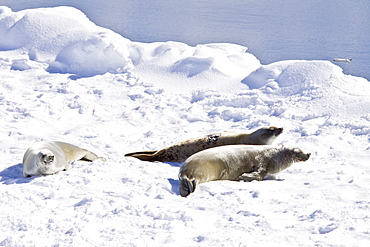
{"x":173,"y":65}
{"x":64,"y":38}
{"x":89,"y":86}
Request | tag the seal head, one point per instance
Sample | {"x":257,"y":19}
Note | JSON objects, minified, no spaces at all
{"x":265,"y":136}
{"x":45,"y":161}
{"x":298,"y":155}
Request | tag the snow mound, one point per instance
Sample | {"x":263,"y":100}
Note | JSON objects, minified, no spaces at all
{"x":65,"y":38}
{"x":227,"y":59}
{"x":97,"y":55}
{"x":305,"y":77}
{"x":178,"y":57}
{"x":297,"y":75}
{"x":192,"y":66}
{"x":176,"y":65}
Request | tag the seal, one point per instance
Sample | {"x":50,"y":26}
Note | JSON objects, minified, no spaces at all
{"x":46,"y":158}
{"x":237,"y":163}
{"x":181,"y":151}
{"x":347,"y":60}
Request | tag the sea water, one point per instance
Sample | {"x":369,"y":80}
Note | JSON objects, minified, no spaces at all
{"x":273,"y":30}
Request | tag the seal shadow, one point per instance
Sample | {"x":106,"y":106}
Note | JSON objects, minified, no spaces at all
{"x":175,"y":186}
{"x":14,"y":175}
{"x":175,"y":183}
{"x":174,"y":164}
{"x":272,"y":177}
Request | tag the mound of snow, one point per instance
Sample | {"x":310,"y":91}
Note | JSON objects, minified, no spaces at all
{"x":327,"y":93}
{"x":98,"y":55}
{"x":178,"y":67}
{"x":65,"y":38}
{"x":46,"y":30}
{"x":298,"y":76}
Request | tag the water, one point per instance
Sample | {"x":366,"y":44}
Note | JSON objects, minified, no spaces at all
{"x":273,"y":30}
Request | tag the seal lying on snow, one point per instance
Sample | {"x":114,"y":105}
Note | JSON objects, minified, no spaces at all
{"x":181,"y":151}
{"x":236,"y":162}
{"x":46,"y":158}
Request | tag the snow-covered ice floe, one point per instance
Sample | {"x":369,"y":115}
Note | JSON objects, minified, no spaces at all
{"x":64,"y":78}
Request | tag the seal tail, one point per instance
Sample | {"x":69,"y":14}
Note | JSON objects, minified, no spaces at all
{"x":187,"y":186}
{"x":144,"y":155}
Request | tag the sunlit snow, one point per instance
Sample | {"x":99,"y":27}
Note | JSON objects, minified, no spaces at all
{"x":64,"y":78}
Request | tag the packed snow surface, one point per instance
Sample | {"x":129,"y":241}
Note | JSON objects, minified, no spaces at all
{"x":64,"y":78}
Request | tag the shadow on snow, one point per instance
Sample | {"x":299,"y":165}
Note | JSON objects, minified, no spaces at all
{"x":14,"y":175}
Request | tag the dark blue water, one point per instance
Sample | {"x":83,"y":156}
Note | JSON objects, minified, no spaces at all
{"x":274,"y":30}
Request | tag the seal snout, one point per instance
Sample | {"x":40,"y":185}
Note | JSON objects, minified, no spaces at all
{"x":304,"y":157}
{"x":274,"y":131}
{"x":308,"y":155}
{"x":278,"y":131}
{"x":48,"y":158}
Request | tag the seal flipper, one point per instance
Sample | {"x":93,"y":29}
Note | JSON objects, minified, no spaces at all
{"x":144,"y":155}
{"x":85,"y":159}
{"x":90,"y":157}
{"x":187,"y":186}
{"x":258,"y":175}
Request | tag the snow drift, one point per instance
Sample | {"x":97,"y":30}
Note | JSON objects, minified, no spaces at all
{"x":65,"y":39}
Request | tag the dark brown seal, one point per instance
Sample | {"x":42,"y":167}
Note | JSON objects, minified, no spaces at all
{"x":183,"y":150}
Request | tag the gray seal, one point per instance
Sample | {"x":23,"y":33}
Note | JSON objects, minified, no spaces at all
{"x":236,"y":162}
